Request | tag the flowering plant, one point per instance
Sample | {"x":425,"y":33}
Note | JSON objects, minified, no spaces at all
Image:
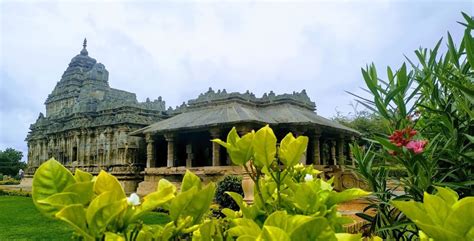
{"x":428,"y":110}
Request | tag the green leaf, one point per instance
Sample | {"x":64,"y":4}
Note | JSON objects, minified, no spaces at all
{"x":469,"y":44}
{"x":61,"y":200}
{"x":50,"y":178}
{"x":82,"y":176}
{"x":461,"y":219}
{"x":270,"y":233}
{"x":244,"y":226}
{"x":181,"y":201}
{"x":348,"y":237}
{"x":449,"y":196}
{"x":108,"y":183}
{"x":292,"y":149}
{"x":233,"y":137}
{"x":103,"y":209}
{"x":190,"y":180}
{"x":164,"y":194}
{"x":246,"y":211}
{"x":346,"y":195}
{"x":83,"y":189}
{"x":242,"y":152}
{"x":109,"y":236}
{"x":315,"y":229}
{"x":264,"y":146}
{"x":75,"y":216}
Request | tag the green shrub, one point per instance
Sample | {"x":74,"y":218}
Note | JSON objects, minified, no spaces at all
{"x":10,"y":182}
{"x":20,"y":193}
{"x":228,"y":184}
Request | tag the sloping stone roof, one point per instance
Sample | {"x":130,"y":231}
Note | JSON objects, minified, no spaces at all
{"x":229,"y":109}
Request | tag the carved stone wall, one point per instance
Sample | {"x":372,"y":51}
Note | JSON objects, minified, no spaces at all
{"x":87,"y":124}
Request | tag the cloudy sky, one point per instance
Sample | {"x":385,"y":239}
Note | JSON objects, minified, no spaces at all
{"x":178,"y":50}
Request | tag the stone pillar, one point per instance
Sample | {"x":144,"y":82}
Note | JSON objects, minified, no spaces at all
{"x":215,"y":133}
{"x":190,"y":156}
{"x":317,"y":150}
{"x":340,"y":151}
{"x":150,"y":152}
{"x":82,"y":148}
{"x":349,"y":152}
{"x":333,"y":152}
{"x":170,"y":139}
{"x":108,"y":146}
{"x":87,"y":156}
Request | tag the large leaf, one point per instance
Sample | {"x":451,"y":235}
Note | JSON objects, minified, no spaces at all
{"x":264,"y":147}
{"x":190,"y":180}
{"x":60,"y":200}
{"x":200,"y":203}
{"x":75,"y":216}
{"x":50,"y":178}
{"x":242,"y":151}
{"x":315,"y":229}
{"x":461,"y":219}
{"x":82,"y":176}
{"x":346,"y":195}
{"x":83,"y":189}
{"x":106,"y":182}
{"x":181,"y":202}
{"x":103,"y":209}
{"x":292,"y":149}
{"x":165,"y":193}
{"x":270,"y":233}
{"x":243,"y":227}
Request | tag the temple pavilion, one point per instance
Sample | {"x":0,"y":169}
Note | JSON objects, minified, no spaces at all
{"x":183,"y":141}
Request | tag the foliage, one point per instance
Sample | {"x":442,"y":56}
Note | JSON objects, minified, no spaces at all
{"x":430,"y":114}
{"x":367,"y":123}
{"x":442,"y":216}
{"x":10,"y":182}
{"x":290,"y":203}
{"x":230,"y":183}
{"x":10,"y":162}
{"x":97,"y":208}
{"x":20,"y":193}
{"x":20,"y":220}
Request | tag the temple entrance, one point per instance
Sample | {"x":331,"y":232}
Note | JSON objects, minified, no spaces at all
{"x":74,"y":154}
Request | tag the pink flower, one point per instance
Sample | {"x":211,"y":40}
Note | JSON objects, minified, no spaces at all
{"x":416,"y":146}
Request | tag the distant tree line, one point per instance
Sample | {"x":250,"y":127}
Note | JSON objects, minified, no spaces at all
{"x":10,"y":162}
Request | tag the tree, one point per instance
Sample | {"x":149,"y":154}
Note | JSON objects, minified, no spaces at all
{"x":10,"y":161}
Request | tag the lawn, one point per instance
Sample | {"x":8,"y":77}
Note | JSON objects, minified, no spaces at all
{"x":19,"y":220}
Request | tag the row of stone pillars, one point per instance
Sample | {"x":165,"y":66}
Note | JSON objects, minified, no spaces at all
{"x":336,"y":150}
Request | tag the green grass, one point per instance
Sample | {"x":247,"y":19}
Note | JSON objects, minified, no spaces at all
{"x":19,"y":220}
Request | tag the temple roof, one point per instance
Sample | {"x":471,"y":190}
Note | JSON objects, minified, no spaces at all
{"x":231,"y":112}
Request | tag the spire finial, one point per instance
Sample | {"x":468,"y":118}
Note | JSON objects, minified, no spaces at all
{"x":84,"y":50}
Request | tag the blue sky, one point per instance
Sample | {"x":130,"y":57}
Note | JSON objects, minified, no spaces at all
{"x":178,"y":50}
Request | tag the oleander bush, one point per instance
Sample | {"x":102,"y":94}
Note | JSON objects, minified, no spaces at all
{"x":427,"y":106}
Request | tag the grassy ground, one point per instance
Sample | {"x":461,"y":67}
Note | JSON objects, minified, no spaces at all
{"x":19,"y":220}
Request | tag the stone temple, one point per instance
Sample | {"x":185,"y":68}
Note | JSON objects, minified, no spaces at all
{"x":91,"y":126}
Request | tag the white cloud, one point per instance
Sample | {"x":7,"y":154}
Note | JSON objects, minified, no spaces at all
{"x":178,"y":50}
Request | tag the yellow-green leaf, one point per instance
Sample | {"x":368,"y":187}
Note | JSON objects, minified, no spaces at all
{"x":292,"y":149}
{"x":264,"y":147}
{"x":50,"y":178}
{"x":75,"y":216}
{"x":106,"y":182}
{"x":82,"y":176}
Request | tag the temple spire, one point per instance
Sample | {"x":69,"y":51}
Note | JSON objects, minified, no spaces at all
{"x":84,"y":45}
